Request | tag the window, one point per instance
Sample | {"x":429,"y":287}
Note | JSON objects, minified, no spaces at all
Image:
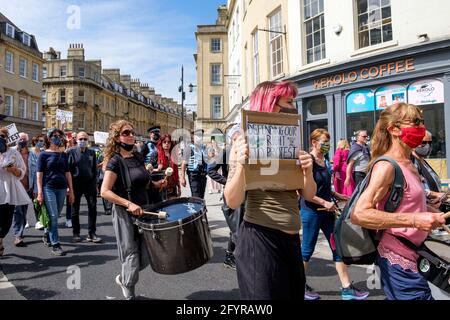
{"x":317,"y":106}
{"x":62,"y":96}
{"x":314,"y":25}
{"x":44,"y":72}
{"x":215,"y":74}
{"x":215,"y":45}
{"x":81,"y":121}
{"x":44,"y":97}
{"x":23,"y":65}
{"x":63,"y":71}
{"x":10,"y":30}
{"x":276,"y":44}
{"x":35,"y":111}
{"x":26,"y":39}
{"x":81,"y":96}
{"x":22,"y":108}
{"x":9,"y":105}
{"x":9,"y":62}
{"x":35,"y":72}
{"x":216,"y":102}
{"x":81,"y":72}
{"x":255,"y":58}
{"x":374,"y":22}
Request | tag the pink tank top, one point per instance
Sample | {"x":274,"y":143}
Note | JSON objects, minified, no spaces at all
{"x":414,"y":200}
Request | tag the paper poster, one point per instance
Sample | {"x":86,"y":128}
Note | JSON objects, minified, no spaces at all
{"x":426,"y":92}
{"x":360,"y":101}
{"x":389,"y":95}
{"x":13,"y":133}
{"x":100,"y":137}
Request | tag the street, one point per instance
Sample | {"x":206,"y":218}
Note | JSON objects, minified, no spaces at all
{"x":32,"y":273}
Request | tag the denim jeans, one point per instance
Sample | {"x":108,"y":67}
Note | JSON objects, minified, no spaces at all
{"x":54,"y":201}
{"x":19,"y":220}
{"x":312,"y":223}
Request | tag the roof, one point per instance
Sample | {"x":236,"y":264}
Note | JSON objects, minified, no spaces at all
{"x":18,"y":32}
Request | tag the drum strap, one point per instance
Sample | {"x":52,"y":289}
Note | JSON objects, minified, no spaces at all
{"x":423,"y":253}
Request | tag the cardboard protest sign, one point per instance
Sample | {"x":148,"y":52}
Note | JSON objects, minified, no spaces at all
{"x":274,"y":141}
{"x":13,"y":133}
{"x":100,"y":137}
{"x":65,"y":119}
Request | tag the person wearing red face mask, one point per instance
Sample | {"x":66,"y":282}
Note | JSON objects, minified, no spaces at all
{"x":398,"y":132}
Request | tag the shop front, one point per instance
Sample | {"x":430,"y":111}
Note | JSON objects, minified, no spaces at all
{"x":348,"y":97}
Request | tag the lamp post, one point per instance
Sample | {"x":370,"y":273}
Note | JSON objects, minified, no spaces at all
{"x":183,"y":97}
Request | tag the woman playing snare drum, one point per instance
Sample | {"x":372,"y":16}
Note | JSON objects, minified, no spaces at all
{"x":133,"y":254}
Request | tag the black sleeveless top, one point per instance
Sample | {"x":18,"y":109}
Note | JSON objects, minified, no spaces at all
{"x":322,"y":177}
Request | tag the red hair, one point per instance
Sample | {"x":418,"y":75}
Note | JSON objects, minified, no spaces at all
{"x":267,"y":94}
{"x":162,"y":159}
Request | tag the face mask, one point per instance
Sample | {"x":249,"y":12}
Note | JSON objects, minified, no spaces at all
{"x":288,"y":110}
{"x":413,"y":136}
{"x":424,"y":151}
{"x":325,"y":147}
{"x":3,"y":147}
{"x":56,"y":141}
{"x":82,"y":143}
{"x":23,"y":144}
{"x":39,"y":145}
{"x":127,"y":147}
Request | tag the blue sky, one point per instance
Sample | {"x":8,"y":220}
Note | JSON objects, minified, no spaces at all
{"x":148,"y":39}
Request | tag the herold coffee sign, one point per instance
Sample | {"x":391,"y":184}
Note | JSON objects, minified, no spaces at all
{"x":274,"y":141}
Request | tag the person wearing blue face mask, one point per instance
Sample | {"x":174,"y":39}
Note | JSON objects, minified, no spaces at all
{"x":53,"y":179}
{"x":37,"y":146}
{"x":83,"y":167}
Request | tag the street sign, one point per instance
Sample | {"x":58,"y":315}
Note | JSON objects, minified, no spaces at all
{"x":13,"y":133}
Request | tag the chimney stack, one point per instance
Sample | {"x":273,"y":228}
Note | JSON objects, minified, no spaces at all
{"x":76,"y":51}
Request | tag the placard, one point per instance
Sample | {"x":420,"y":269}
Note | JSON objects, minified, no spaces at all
{"x":274,"y":141}
{"x":100,"y":137}
{"x":65,"y":118}
{"x":13,"y":133}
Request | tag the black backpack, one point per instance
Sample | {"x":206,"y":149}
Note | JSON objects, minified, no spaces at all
{"x":358,"y":245}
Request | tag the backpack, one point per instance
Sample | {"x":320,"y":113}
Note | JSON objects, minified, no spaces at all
{"x":358,"y":245}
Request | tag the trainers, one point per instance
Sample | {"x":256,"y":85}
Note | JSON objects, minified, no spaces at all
{"x":93,"y":238}
{"x":69,"y":223}
{"x":27,"y":225}
{"x":76,"y":238}
{"x":58,"y":251}
{"x":46,"y":240}
{"x":128,"y":293}
{"x":230,"y":261}
{"x":352,"y":293}
{"x":310,"y":294}
{"x":39,"y":226}
{"x":108,"y":213}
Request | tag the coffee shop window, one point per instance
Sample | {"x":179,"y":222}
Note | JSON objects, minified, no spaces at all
{"x":429,"y":96}
{"x":361,"y":115}
{"x":317,"y":106}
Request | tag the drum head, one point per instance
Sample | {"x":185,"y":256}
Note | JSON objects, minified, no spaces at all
{"x":441,"y":249}
{"x":177,"y":209}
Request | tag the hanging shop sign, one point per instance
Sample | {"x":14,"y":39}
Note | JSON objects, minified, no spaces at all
{"x":426,"y":92}
{"x":374,"y":72}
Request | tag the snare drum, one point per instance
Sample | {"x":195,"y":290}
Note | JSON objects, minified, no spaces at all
{"x":434,"y":261}
{"x":180,"y":243}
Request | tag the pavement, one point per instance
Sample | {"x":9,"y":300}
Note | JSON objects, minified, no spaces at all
{"x":88,"y":270}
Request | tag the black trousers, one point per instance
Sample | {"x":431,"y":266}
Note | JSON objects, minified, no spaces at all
{"x":358,"y":177}
{"x":269,"y":264}
{"x":88,"y":189}
{"x":197,"y":182}
{"x":6,"y":217}
{"x":107,"y":206}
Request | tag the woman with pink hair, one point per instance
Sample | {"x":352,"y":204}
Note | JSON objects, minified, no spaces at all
{"x":268,"y":251}
{"x":166,"y":160}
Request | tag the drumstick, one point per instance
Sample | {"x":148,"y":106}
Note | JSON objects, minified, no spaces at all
{"x":446,"y":215}
{"x":161,"y":214}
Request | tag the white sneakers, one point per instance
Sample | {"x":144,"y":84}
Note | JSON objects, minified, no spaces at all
{"x":128,"y":293}
{"x":39,"y":226}
{"x":69,"y":223}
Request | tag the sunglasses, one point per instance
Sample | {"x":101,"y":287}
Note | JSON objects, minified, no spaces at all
{"x":127,"y":133}
{"x":167,"y":142}
{"x":415,"y":121}
{"x":83,"y":139}
{"x":41,"y":141}
{"x":2,"y":136}
{"x":426,"y":142}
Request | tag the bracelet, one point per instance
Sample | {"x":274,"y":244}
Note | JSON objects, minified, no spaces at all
{"x":128,"y":204}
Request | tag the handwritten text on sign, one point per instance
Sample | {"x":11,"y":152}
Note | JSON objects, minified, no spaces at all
{"x":267,"y":142}
{"x":13,"y":133}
